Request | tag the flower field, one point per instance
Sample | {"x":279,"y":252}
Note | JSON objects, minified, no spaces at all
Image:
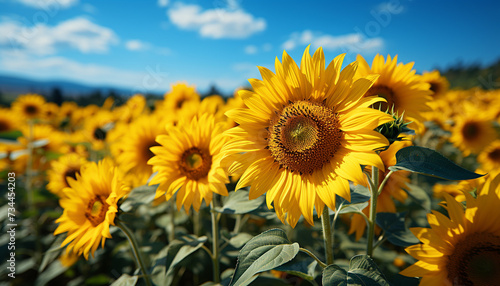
{"x":323,"y":172}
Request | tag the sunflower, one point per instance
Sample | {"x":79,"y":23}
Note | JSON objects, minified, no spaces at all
{"x":180,"y":96}
{"x":97,"y":127}
{"x":490,"y":157}
{"x":51,"y":112}
{"x":8,"y":121}
{"x":189,"y":162}
{"x":439,"y":84}
{"x":472,"y":132}
{"x":64,"y":167}
{"x":393,"y":189}
{"x":464,"y":248}
{"x":29,"y":106}
{"x":457,"y":190}
{"x":90,"y":206}
{"x":305,"y":133}
{"x":133,"y":108}
{"x":134,"y":149}
{"x":400,"y":86}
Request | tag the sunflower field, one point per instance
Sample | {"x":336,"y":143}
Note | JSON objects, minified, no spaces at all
{"x":322,"y":173}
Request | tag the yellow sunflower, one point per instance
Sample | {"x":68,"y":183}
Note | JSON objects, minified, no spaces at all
{"x":472,"y":132}
{"x":134,"y":148}
{"x":180,"y":95}
{"x":464,"y":248}
{"x":90,"y":206}
{"x":97,"y":127}
{"x":8,"y":121}
{"x":439,"y":84}
{"x":304,"y":135}
{"x":189,"y":162}
{"x":393,"y":189}
{"x":29,"y":106}
{"x":457,"y":190}
{"x":400,"y":86}
{"x":61,"y":169}
{"x":490,"y":157}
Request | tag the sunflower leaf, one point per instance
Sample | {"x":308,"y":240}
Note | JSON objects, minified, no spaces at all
{"x":333,"y":275}
{"x":126,"y":280}
{"x":395,"y":229}
{"x":364,"y":271}
{"x":303,"y":269}
{"x":138,"y":196}
{"x":264,"y":252}
{"x":169,"y":257}
{"x":238,"y":203}
{"x":429,"y":162}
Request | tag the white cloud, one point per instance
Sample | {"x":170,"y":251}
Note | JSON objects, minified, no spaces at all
{"x":163,"y":3}
{"x":216,"y":23}
{"x":137,"y":45}
{"x":251,"y":50}
{"x":46,"y":4}
{"x":355,"y":43}
{"x":77,"y":33}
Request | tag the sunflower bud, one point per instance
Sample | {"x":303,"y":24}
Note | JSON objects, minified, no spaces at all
{"x":397,"y":129}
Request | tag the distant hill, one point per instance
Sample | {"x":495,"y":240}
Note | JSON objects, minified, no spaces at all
{"x":11,"y":86}
{"x":473,"y":75}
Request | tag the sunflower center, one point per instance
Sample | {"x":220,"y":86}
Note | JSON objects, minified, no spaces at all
{"x":147,"y":150}
{"x":99,"y":134}
{"x":476,"y":260}
{"x":435,"y":87}
{"x":494,"y":155}
{"x":195,"y":163}
{"x":96,"y":210}
{"x":4,"y":126}
{"x":385,"y":92}
{"x":31,"y":109}
{"x":471,"y":130}
{"x":304,"y":137}
{"x":70,"y":173}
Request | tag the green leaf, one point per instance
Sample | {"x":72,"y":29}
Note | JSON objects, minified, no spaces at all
{"x":429,"y":162}
{"x":238,"y":203}
{"x":359,"y":194}
{"x":10,"y":135}
{"x":126,"y":280}
{"x":55,"y":269}
{"x":333,"y":275}
{"x":140,"y":195}
{"x":170,"y":256}
{"x":420,"y":196}
{"x":364,"y":271}
{"x":300,"y":269}
{"x":264,"y":252}
{"x":395,"y":229}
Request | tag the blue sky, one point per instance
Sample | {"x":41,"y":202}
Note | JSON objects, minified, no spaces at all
{"x":148,"y":45}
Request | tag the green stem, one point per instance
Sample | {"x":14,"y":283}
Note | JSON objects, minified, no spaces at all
{"x":196,"y":223}
{"x":135,"y":249}
{"x":373,"y":210}
{"x":321,"y":263}
{"x":327,"y":235}
{"x":171,"y":222}
{"x":215,"y":242}
{"x":381,"y":187}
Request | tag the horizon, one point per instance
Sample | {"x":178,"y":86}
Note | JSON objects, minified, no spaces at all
{"x":221,"y":43}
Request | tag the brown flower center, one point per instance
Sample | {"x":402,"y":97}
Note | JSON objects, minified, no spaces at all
{"x":4,"y":126}
{"x":475,"y":261}
{"x":147,"y":154}
{"x":471,"y":130}
{"x":385,"y":92}
{"x":304,"y":136}
{"x":31,"y":109}
{"x":96,"y":210}
{"x":195,"y":163}
{"x":99,"y":134}
{"x":494,"y":155}
{"x":435,"y":87}
{"x":70,"y":173}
